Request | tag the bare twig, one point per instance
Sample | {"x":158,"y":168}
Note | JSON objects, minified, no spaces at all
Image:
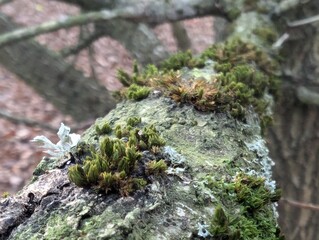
{"x":51,"y":26}
{"x":84,"y":43}
{"x":141,"y":11}
{"x":25,"y":121}
{"x":33,"y":123}
{"x":304,"y":21}
{"x":91,"y":53}
{"x":280,"y":41}
{"x":300,"y":204}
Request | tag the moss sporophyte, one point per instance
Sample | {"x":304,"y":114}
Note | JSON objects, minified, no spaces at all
{"x":243,"y":75}
{"x":123,"y":161}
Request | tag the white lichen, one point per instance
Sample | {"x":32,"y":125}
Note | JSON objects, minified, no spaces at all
{"x":202,"y":230}
{"x":67,"y":141}
{"x":259,"y":147}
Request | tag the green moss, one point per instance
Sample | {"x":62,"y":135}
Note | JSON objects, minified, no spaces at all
{"x":117,"y":165}
{"x":5,"y":195}
{"x":133,"y":121}
{"x":136,"y":92}
{"x":267,"y":34}
{"x":180,"y":60}
{"x":245,"y":210}
{"x":156,"y":167}
{"x":104,"y":129}
{"x":244,"y":74}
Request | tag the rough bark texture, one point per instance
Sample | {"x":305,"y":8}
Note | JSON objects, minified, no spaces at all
{"x":293,"y":141}
{"x":72,"y":93}
{"x":175,"y":205}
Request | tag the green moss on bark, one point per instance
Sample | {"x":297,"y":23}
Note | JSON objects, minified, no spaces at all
{"x":245,"y":209}
{"x":243,"y":75}
{"x":117,"y":165}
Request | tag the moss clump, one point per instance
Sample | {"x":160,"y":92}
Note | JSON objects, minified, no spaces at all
{"x":244,"y":75}
{"x":136,"y":92}
{"x":133,"y":121}
{"x":180,"y":60}
{"x":267,"y":34}
{"x":5,"y":195}
{"x":104,"y":129}
{"x":118,"y":164}
{"x":245,"y":211}
{"x":156,"y":167}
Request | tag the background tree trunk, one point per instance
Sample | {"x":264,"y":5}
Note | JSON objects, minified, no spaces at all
{"x":294,"y":138}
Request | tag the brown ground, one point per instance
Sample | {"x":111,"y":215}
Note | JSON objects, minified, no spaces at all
{"x":18,"y":156}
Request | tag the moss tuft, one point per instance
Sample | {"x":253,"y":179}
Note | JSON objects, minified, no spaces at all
{"x":156,"y":167}
{"x":5,"y":195}
{"x":244,"y":74}
{"x":267,"y":34}
{"x":104,"y":129}
{"x":136,"y":92}
{"x":180,"y":60}
{"x":245,"y":210}
{"x":117,"y":165}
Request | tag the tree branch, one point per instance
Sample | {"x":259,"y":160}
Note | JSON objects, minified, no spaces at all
{"x":150,"y":12}
{"x":32,"y":123}
{"x":301,"y":204}
{"x":25,"y":121}
{"x":304,"y":21}
{"x":81,"y":45}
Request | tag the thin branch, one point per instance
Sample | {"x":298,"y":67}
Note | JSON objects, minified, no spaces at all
{"x":301,"y":204}
{"x":84,"y":43}
{"x":280,"y":41}
{"x":33,"y":123}
{"x":51,"y":26}
{"x":150,"y":12}
{"x":25,"y":121}
{"x":304,"y":21}
{"x":91,"y":61}
{"x":91,"y":52}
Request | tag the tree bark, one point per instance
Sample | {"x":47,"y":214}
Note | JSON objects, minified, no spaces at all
{"x":54,"y":79}
{"x":293,"y":140}
{"x":205,"y":153}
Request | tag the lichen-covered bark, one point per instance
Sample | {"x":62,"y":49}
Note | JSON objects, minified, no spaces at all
{"x":177,"y":205}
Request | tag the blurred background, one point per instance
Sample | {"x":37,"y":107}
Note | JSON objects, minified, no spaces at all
{"x":20,"y":102}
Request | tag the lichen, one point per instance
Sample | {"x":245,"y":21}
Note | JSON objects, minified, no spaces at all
{"x":119,"y":164}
